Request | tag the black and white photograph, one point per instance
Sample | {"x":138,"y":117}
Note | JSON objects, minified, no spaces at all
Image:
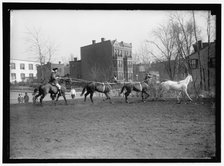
{"x":111,"y":82}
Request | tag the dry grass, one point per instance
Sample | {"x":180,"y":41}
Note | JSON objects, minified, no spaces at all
{"x":79,"y":130}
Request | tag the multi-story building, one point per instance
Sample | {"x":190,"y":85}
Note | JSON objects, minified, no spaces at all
{"x":100,"y":61}
{"x":75,"y":68}
{"x":22,"y":70}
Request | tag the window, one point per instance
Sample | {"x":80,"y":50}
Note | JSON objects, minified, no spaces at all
{"x":13,"y":76}
{"x":129,"y":64}
{"x":13,"y":66}
{"x":30,"y":66}
{"x":212,"y":62}
{"x":120,"y":64}
{"x":116,"y":52}
{"x":194,"y":63}
{"x":31,"y":75}
{"x":22,"y":75}
{"x":120,"y":53}
{"x":22,"y":66}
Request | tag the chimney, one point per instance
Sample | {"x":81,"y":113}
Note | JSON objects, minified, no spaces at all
{"x":75,"y":59}
{"x":200,"y":44}
{"x":102,"y":39}
{"x":93,"y":41}
{"x":59,"y":62}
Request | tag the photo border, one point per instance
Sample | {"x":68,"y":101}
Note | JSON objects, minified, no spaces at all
{"x":7,"y":7}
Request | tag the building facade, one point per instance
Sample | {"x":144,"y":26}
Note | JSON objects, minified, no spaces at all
{"x":207,"y":62}
{"x":208,"y":58}
{"x":22,"y":71}
{"x":100,"y":61}
{"x":75,"y":68}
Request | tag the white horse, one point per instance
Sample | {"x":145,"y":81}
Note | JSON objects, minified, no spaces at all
{"x":180,"y":86}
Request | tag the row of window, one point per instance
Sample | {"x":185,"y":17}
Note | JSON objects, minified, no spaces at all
{"x":194,"y":63}
{"x":121,"y":53}
{"x":22,"y":76}
{"x":120,"y":76}
{"x":119,"y":63}
{"x":22,"y":66}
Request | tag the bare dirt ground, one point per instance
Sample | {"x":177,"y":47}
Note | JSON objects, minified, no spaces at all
{"x":150,"y":130}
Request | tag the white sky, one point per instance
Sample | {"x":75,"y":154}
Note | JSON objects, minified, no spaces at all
{"x":72,"y":29}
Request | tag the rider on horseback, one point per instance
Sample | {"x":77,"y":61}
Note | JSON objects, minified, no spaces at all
{"x":53,"y":79}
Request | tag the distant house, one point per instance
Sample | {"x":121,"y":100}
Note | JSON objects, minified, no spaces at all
{"x":22,"y":70}
{"x":139,"y":71}
{"x":207,"y":62}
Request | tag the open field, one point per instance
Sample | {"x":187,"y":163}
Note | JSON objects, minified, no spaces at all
{"x":150,"y":130}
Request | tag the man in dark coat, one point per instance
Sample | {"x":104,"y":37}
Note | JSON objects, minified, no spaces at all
{"x":53,"y":78}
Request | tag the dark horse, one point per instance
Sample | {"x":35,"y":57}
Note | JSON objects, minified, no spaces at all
{"x":49,"y":88}
{"x":91,"y":87}
{"x":142,"y":87}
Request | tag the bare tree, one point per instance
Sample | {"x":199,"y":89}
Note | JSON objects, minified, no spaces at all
{"x":183,"y":31}
{"x":166,"y":49}
{"x":36,"y":44}
{"x":51,"y":48}
{"x":201,"y":67}
{"x":40,"y":48}
{"x":142,"y":55}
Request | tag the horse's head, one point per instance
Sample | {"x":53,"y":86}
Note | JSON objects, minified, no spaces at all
{"x":190,"y":78}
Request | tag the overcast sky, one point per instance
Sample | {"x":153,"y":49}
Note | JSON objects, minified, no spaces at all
{"x":72,"y":29}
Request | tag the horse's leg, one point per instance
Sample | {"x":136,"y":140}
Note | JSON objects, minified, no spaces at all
{"x":35,"y":98}
{"x":178,"y":98}
{"x":161,"y":91}
{"x":57,"y":98}
{"x":91,"y":97}
{"x":87,"y":93}
{"x":63,"y":94}
{"x":126,"y":96}
{"x":146,"y":94}
{"x":185,"y":90}
{"x":42,"y":97}
{"x":108,"y":97}
{"x":142,"y":96}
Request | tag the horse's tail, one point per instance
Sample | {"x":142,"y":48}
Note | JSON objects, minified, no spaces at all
{"x":35,"y":91}
{"x":122,"y":89}
{"x":83,"y":91}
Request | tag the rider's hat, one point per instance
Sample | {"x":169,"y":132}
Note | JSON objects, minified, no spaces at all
{"x":54,"y":69}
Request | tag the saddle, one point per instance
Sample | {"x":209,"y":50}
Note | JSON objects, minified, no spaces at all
{"x":53,"y":84}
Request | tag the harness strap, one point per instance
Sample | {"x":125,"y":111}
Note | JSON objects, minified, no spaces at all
{"x":140,"y":86}
{"x":104,"y":87}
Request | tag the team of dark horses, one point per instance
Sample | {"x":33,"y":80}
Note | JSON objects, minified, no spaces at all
{"x":104,"y":87}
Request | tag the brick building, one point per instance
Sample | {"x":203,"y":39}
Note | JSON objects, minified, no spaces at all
{"x":100,"y":61}
{"x":75,"y":68}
